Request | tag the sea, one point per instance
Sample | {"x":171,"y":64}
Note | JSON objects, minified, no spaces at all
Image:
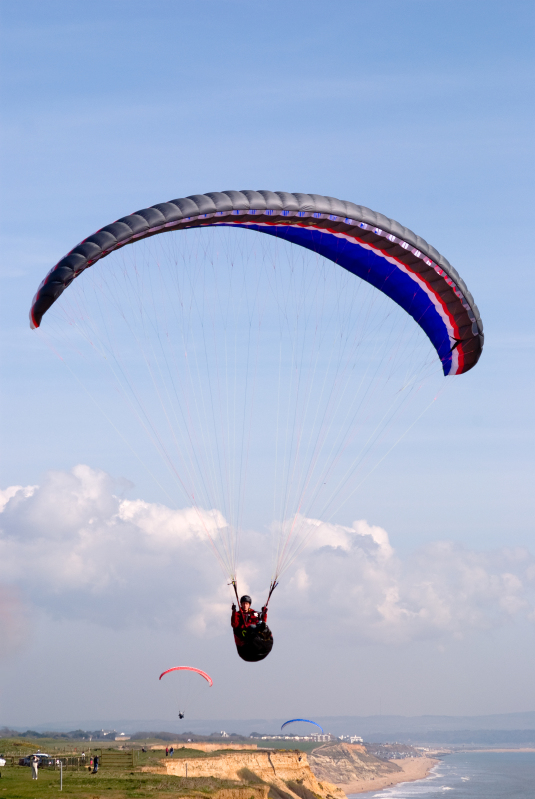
{"x":470,"y":775}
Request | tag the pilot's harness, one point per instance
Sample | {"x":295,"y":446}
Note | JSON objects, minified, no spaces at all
{"x":272,"y":587}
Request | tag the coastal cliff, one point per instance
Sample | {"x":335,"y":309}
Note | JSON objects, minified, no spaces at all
{"x":353,"y":769}
{"x":284,"y":774}
{"x":343,"y":764}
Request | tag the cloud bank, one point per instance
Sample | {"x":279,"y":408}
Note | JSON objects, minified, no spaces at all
{"x":13,"y":620}
{"x":77,"y":550}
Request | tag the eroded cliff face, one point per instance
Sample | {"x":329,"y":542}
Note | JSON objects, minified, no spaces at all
{"x":250,"y":792}
{"x":286,"y":771}
{"x":348,"y":763}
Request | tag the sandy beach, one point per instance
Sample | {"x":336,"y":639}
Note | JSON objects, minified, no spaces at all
{"x":413,"y":769}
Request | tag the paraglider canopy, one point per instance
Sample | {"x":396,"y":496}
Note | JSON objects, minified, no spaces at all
{"x":189,"y":668}
{"x":377,"y":249}
{"x":192,"y":691}
{"x":307,"y":721}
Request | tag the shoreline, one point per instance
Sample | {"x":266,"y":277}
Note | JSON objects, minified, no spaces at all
{"x":417,"y":768}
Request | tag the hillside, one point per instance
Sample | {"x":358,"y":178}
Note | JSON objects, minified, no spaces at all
{"x":352,"y":768}
{"x":347,"y":763}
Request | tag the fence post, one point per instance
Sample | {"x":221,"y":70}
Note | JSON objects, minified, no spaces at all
{"x":61,"y":775}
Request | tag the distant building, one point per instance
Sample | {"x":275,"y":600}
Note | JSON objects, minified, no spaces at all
{"x":106,"y":734}
{"x":224,"y":734}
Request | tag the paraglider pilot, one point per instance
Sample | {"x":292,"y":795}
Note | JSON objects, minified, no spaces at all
{"x":246,"y":620}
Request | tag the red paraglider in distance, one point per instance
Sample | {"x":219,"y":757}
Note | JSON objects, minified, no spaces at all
{"x":189,"y":668}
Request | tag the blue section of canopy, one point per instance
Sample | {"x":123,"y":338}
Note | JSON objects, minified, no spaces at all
{"x":375,"y":269}
{"x":308,"y":721}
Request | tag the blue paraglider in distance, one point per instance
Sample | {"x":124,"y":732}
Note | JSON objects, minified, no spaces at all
{"x":291,"y":721}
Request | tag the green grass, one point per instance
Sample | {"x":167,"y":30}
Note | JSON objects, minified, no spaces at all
{"x":302,"y":746}
{"x":17,"y":783}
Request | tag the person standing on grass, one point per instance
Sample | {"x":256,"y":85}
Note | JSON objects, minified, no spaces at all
{"x":34,"y":760}
{"x":95,"y":764}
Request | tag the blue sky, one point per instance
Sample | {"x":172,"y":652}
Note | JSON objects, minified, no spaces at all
{"x":420,"y":109}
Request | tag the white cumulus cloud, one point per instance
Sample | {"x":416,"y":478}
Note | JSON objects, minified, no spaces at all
{"x":356,"y":580}
{"x":75,"y":548}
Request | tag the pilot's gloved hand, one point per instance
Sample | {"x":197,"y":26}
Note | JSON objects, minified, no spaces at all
{"x":234,"y":607}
